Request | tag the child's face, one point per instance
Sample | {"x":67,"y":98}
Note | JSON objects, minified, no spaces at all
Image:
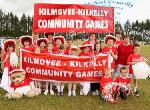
{"x":42,"y":44}
{"x":70,"y":43}
{"x":118,"y":36}
{"x":123,"y":73}
{"x":50,"y":47}
{"x":110,"y":42}
{"x":86,"y":49}
{"x":73,"y":52}
{"x":136,"y":50}
{"x":58,"y":42}
{"x":97,"y":47}
{"x":26,"y":43}
{"x":92,"y":37}
{"x":10,"y":49}
{"x":61,"y":51}
{"x":107,"y":73}
{"x":127,"y":40}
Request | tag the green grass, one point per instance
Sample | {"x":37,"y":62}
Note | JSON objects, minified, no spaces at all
{"x":81,"y":102}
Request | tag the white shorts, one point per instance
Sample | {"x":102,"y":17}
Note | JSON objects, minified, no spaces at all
{"x":23,"y":90}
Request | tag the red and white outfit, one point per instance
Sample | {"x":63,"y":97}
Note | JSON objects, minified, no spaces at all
{"x":86,"y":85}
{"x":123,"y":54}
{"x":5,"y":82}
{"x":55,"y":46}
{"x":134,"y":58}
{"x":30,"y":39}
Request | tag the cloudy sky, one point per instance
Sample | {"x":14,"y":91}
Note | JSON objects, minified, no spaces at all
{"x":140,"y":10}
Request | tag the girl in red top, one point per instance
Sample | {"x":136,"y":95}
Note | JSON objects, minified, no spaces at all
{"x":124,"y":51}
{"x":49,"y":50}
{"x":133,"y":59}
{"x":95,"y":86}
{"x":106,"y":86}
{"x":40,"y":48}
{"x":57,"y":42}
{"x":26,"y":42}
{"x":9,"y":48}
{"x":69,"y":45}
{"x":86,"y":51}
{"x":72,"y":86}
{"x":110,"y":49}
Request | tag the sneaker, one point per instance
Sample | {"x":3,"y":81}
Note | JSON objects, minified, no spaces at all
{"x":81,"y":92}
{"x":69,"y":93}
{"x":73,"y":93}
{"x":46,"y":92}
{"x":93,"y":93}
{"x":136,"y":93}
{"x":51,"y":92}
{"x":58,"y":93}
{"x":96,"y":92}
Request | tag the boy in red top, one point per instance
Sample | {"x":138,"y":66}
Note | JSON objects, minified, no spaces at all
{"x":69,"y":44}
{"x":9,"y":48}
{"x":118,"y":40}
{"x":133,"y":59}
{"x":86,"y":51}
{"x":124,"y":51}
{"x":26,"y":42}
{"x":110,"y":49}
{"x":123,"y":81}
{"x":57,"y":42}
{"x":106,"y":86}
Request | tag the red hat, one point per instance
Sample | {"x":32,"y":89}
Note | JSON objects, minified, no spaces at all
{"x":58,"y":37}
{"x":17,"y":69}
{"x":9,"y":42}
{"x":39,"y":40}
{"x":85,"y":44}
{"x":109,"y":37}
{"x":74,"y":48}
{"x":23,"y":38}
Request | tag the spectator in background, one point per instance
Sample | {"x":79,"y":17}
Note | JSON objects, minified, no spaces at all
{"x":35,"y":37}
{"x":49,"y":36}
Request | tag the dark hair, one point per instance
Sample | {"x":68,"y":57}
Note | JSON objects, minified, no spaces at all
{"x":46,"y":34}
{"x":126,"y":37}
{"x":118,"y":32}
{"x":95,"y":47}
{"x":123,"y":68}
{"x":61,"y":47}
{"x":136,"y":45}
{"x":69,"y":39}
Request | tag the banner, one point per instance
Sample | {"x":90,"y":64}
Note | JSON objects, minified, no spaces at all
{"x":54,"y":67}
{"x":73,"y":18}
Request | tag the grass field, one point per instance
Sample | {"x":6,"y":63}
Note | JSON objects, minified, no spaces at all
{"x":81,"y":102}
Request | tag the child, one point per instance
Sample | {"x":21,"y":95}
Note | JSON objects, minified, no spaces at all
{"x":60,"y":85}
{"x":57,"y":42}
{"x":49,"y":50}
{"x":123,"y":80}
{"x":106,"y":86}
{"x":9,"y":49}
{"x":26,"y":42}
{"x":133,"y":59}
{"x":95,"y":86}
{"x":72,"y":86}
{"x":69,"y":44}
{"x":86,"y":51}
{"x":110,"y":49}
{"x":40,"y":48}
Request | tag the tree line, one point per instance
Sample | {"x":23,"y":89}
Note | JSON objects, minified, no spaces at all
{"x":13,"y":26}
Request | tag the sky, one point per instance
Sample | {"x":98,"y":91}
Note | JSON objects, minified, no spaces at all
{"x":140,"y":9}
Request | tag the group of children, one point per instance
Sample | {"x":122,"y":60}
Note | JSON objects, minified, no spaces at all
{"x":111,"y":90}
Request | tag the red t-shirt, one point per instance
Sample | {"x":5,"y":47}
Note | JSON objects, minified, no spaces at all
{"x":105,"y":81}
{"x":123,"y":53}
{"x":122,"y":80}
{"x":55,"y":50}
{"x":106,"y":49}
{"x":67,"y":50}
{"x":134,"y":58}
{"x":118,"y":42}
